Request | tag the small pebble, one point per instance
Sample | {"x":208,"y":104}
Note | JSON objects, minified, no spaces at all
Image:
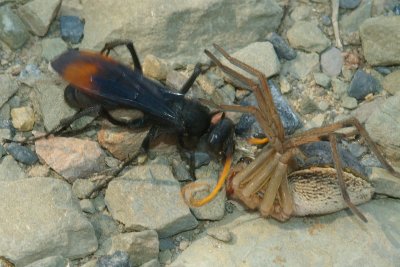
{"x":23,"y":118}
{"x":332,"y":62}
{"x":383,"y":70}
{"x":322,"y":79}
{"x":282,"y":48}
{"x":87,"y":206}
{"x":99,"y":203}
{"x":326,"y":20}
{"x":71,"y":29}
{"x":166,"y":243}
{"x":369,"y":160}
{"x":22,"y":154}
{"x":201,"y":159}
{"x":323,"y":105}
{"x":349,"y":102}
{"x":363,"y":84}
{"x":349,"y":4}
{"x":165,"y":256}
{"x":396,"y":10}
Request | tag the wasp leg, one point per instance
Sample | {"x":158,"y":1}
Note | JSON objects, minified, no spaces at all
{"x":129,"y":44}
{"x":196,"y":72}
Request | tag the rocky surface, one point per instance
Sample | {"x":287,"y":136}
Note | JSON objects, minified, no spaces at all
{"x":257,"y":241}
{"x":140,"y":218}
{"x":42,"y":218}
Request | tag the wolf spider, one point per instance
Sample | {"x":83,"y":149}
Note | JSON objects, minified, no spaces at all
{"x":263,"y":184}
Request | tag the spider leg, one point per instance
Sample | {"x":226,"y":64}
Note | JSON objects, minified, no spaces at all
{"x":314,"y":135}
{"x":339,"y":172}
{"x":265,"y":91}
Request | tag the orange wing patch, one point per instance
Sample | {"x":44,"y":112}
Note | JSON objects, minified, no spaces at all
{"x":80,"y":74}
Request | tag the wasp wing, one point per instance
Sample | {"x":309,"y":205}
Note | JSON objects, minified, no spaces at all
{"x":112,"y":82}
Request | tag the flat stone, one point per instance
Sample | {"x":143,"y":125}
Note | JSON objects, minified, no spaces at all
{"x":155,"y":68}
{"x":349,"y":102}
{"x":9,"y":87}
{"x":104,"y":227}
{"x":38,"y":14}
{"x":301,"y":12}
{"x":384,"y":121}
{"x":259,"y":55}
{"x":385,"y":183}
{"x":332,"y":62}
{"x":349,"y":24}
{"x":12,"y":30}
{"x":302,"y":65}
{"x":149,"y":197}
{"x":23,"y":118}
{"x":391,"y":82}
{"x":303,"y":241}
{"x":83,"y":188}
{"x":140,"y":246}
{"x":53,"y":261}
{"x":308,"y":37}
{"x":53,"y":47}
{"x":56,"y":227}
{"x":10,"y":170}
{"x":363,"y":84}
{"x":52,"y":104}
{"x":381,"y":40}
{"x":339,"y":88}
{"x":71,"y":157}
{"x":322,"y":79}
{"x":169,"y":31}
{"x":120,"y":142}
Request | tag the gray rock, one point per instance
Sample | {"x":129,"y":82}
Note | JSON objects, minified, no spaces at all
{"x":52,"y":105}
{"x":350,"y":24}
{"x":291,"y":122}
{"x":10,"y":170}
{"x":363,"y":84}
{"x":385,"y":183}
{"x":301,"y":12}
{"x":99,"y":202}
{"x":22,"y":154}
{"x":349,"y":4}
{"x":383,"y":123}
{"x":149,"y":197}
{"x":30,"y":75}
{"x":38,"y":14}
{"x":308,"y":37}
{"x":349,"y":102}
{"x":71,"y":157}
{"x":213,"y":210}
{"x":260,"y":55}
{"x":356,"y":149}
{"x":9,"y":87}
{"x":83,"y":188}
{"x":322,"y":79}
{"x":12,"y":30}
{"x":169,"y":31}
{"x":53,"y":261}
{"x":56,"y":227}
{"x":383,"y":70}
{"x":87,"y":206}
{"x":339,"y":88}
{"x":391,"y":82}
{"x":332,"y":62}
{"x":303,"y":241}
{"x":282,"y":48}
{"x":302,"y":65}
{"x":71,"y":28}
{"x":326,"y":20}
{"x":308,"y":105}
{"x":140,"y":246}
{"x":381,"y":40}
{"x":52,"y":47}
{"x":117,"y":259}
{"x":104,"y":227}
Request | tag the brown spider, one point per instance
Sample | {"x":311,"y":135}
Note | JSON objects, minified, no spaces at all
{"x":263,"y":184}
